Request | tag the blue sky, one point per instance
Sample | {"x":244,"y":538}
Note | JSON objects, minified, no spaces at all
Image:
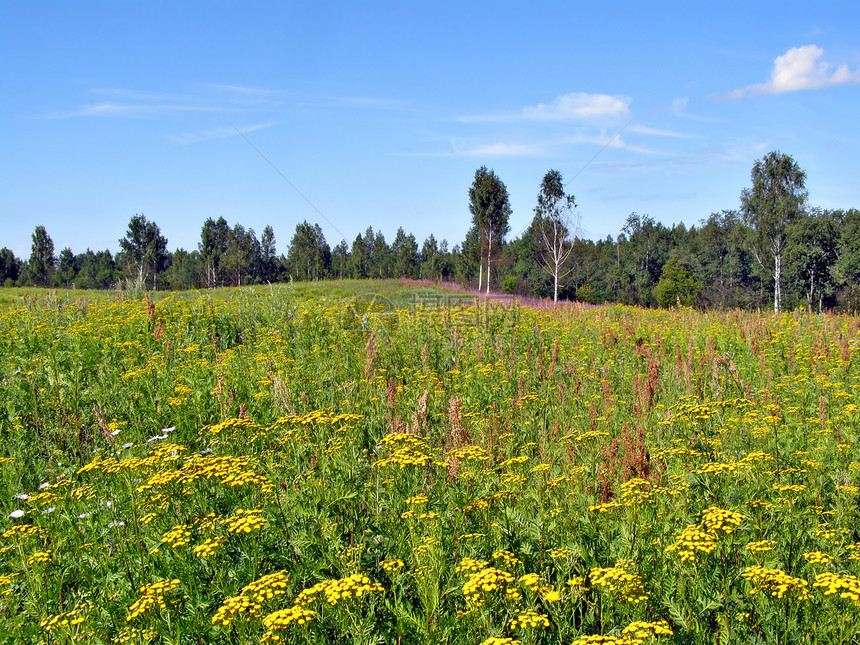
{"x":380,"y":112}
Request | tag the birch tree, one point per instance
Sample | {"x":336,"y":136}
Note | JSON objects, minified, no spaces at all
{"x":555,"y":227}
{"x":491,"y":210}
{"x":776,"y":199}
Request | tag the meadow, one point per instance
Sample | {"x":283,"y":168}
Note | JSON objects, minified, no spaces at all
{"x":390,"y":463}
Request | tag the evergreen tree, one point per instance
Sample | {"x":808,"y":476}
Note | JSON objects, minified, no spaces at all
{"x":42,"y":261}
{"x":144,"y":251}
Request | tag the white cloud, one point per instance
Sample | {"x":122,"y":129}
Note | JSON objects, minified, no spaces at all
{"x":497,"y":150}
{"x":679,"y":106}
{"x":576,"y":106}
{"x":221,"y":132}
{"x":579,"y":106}
{"x":655,"y":132}
{"x":800,"y":68}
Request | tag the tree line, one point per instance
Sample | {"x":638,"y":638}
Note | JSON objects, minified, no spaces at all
{"x":774,"y":251}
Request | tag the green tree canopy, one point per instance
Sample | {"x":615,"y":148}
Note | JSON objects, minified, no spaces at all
{"x":776,"y":198}
{"x":490,"y":207}
{"x":144,"y":250}
{"x":42,"y":260}
{"x":554,"y":226}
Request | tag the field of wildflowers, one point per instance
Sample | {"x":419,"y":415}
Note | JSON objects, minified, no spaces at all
{"x":372,"y":464}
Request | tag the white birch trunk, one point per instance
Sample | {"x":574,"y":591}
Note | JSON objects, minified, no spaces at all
{"x":489,"y":251}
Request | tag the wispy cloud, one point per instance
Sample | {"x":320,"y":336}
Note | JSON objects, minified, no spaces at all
{"x":576,"y":106}
{"x":656,"y":132}
{"x":800,"y":68}
{"x":498,"y":149}
{"x":736,"y":151}
{"x":221,"y":132}
{"x":123,"y":102}
{"x":227,"y":98}
{"x":551,"y":146}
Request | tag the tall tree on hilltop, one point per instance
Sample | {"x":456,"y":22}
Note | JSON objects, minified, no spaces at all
{"x":309,"y":257}
{"x":242,"y":255}
{"x":66,"y":269}
{"x":268,"y":255}
{"x":491,"y":210}
{"x":214,"y":240}
{"x":812,"y":254}
{"x":42,"y":259}
{"x":144,"y":250}
{"x":340,"y":260}
{"x":10,"y":266}
{"x":554,"y":227}
{"x":405,"y":252}
{"x":776,"y":199}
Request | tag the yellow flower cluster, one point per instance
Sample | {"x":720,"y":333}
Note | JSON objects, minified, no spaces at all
{"x":418,"y":499}
{"x":41,"y":557}
{"x":392,"y":565}
{"x":468,"y":453}
{"x":557,"y":553}
{"x":483,"y":582}
{"x":282,"y":619}
{"x":519,"y":459}
{"x":179,"y":535}
{"x":636,"y":633}
{"x":605,"y":507}
{"x":532,"y":580}
{"x":22,"y":531}
{"x":591,"y":434}
{"x":636,"y":492}
{"x":135,"y":635}
{"x":267,"y":587}
{"x":315,"y":417}
{"x":509,"y":558}
{"x":5,"y":583}
{"x":495,"y":640}
{"x":406,"y":450}
{"x":245,"y":521}
{"x":640,"y":631}
{"x":761,"y":547}
{"x":335,"y":591}
{"x":620,"y":579}
{"x":719,"y":520}
{"x":250,"y":599}
{"x":789,"y":488}
{"x":847,"y":586}
{"x":151,"y":595}
{"x":228,"y":471}
{"x":427,"y":543}
{"x":512,"y":478}
{"x":693,"y":540}
{"x":776,"y":581}
{"x":208,"y":547}
{"x":529,"y":619}
{"x":597,"y":638}
{"x":234,"y":607}
{"x":718,"y":467}
{"x":817,"y":557}
{"x":66,"y":619}
{"x":577,"y":583}
{"x":469,"y":565}
{"x":483,"y":503}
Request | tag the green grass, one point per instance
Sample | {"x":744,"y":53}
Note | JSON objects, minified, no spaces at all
{"x":231,"y":465}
